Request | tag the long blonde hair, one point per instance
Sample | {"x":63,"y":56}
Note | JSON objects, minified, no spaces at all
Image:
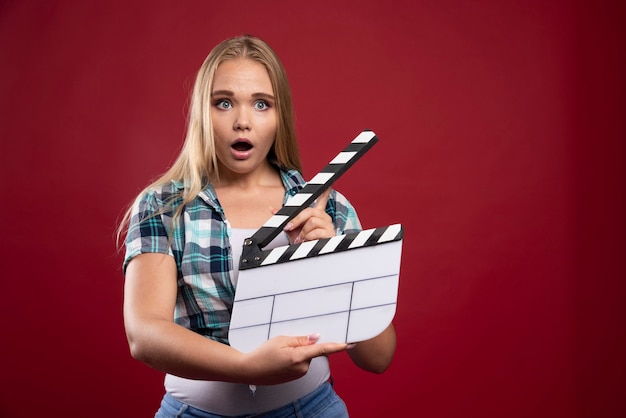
{"x":196,"y":165}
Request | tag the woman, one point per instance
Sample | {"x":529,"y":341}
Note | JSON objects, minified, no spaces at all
{"x":184,"y":234}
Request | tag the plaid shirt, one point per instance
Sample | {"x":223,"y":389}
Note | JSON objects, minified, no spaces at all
{"x":201,"y":248}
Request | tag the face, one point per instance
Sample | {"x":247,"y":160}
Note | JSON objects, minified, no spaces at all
{"x":244,"y":117}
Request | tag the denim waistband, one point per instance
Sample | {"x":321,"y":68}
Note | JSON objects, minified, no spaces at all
{"x":313,"y":404}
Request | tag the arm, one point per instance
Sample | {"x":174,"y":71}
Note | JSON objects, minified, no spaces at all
{"x":155,"y":339}
{"x":375,"y":355}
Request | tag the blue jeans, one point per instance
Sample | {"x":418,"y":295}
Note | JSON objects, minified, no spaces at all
{"x":323,"y":402}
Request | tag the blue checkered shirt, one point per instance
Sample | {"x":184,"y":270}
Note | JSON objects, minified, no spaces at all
{"x":201,"y":248}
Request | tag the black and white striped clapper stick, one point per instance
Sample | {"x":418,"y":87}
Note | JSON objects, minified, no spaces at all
{"x":344,"y":287}
{"x":311,"y":191}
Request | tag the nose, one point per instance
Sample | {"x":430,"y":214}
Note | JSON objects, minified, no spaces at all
{"x":242,"y":119}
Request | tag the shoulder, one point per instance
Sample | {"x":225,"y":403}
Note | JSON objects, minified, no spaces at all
{"x":165,"y":192}
{"x":343,"y":213}
{"x":338,"y":198}
{"x":338,"y":203}
{"x":160,"y":196}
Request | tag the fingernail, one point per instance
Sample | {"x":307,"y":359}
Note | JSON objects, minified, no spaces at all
{"x":314,"y":337}
{"x":288,"y":227}
{"x":350,"y":346}
{"x":298,"y":239}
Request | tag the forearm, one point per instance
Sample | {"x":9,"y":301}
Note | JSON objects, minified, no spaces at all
{"x":155,"y":339}
{"x":375,"y":355}
{"x":176,"y":350}
{"x":173,"y":349}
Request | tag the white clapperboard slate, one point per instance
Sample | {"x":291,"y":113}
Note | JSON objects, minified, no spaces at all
{"x":345,"y":288}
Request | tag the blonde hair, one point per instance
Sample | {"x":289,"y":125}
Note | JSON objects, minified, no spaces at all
{"x":196,"y":165}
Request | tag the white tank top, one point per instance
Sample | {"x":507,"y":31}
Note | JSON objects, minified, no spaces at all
{"x":225,"y":398}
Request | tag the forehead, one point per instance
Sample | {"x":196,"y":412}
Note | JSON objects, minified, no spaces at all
{"x":242,"y":74}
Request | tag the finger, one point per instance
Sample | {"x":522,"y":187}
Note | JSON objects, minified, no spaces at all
{"x":320,"y":202}
{"x":318,"y":209}
{"x":303,"y":340}
{"x":312,"y":228}
{"x":309,"y":348}
{"x":298,"y":220}
{"x":322,"y":349}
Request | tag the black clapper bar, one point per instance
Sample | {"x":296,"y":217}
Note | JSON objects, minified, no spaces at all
{"x":253,"y":246}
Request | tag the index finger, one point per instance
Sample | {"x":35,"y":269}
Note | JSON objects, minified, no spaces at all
{"x":320,"y":202}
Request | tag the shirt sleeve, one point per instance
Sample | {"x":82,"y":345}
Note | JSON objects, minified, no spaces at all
{"x":343,"y":214}
{"x":146,"y":232}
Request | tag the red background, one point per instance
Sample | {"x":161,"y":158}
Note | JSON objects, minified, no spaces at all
{"x":501,"y":151}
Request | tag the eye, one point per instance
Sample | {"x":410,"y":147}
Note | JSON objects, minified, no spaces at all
{"x":223,"y":104}
{"x":261,"y":105}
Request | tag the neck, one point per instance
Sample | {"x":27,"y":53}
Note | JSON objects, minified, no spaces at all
{"x":265,"y":176}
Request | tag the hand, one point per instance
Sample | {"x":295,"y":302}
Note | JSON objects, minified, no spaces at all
{"x":282,"y":359}
{"x":312,"y":223}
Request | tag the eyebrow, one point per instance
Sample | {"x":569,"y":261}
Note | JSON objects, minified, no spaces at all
{"x":231,"y":94}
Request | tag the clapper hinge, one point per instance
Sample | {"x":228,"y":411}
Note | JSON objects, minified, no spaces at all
{"x":250,"y":254}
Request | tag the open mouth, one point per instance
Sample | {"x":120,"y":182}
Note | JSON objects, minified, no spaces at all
{"x":241,"y":146}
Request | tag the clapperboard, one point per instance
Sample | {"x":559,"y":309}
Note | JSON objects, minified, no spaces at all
{"x":345,"y":288}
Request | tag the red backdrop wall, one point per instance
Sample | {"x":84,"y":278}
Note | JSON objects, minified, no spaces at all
{"x":501,"y":151}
